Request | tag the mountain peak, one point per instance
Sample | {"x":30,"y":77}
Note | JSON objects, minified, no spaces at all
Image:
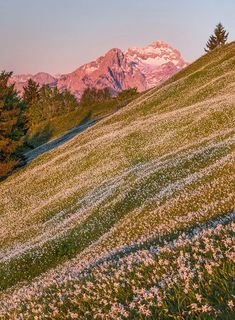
{"x":158,"y":47}
{"x":142,"y":68}
{"x":114,"y":51}
{"x":159,"y":44}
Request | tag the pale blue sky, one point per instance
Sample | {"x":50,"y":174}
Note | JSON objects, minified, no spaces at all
{"x":57,"y":36}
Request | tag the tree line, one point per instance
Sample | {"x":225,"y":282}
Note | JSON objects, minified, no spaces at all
{"x":38,"y":104}
{"x":43,"y":103}
{"x":19,"y":114}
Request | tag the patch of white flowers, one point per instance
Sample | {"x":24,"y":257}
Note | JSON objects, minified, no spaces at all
{"x":142,"y":279}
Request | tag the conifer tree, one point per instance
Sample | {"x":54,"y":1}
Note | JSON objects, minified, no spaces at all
{"x":93,"y":95}
{"x":11,"y":124}
{"x":31,"y":97}
{"x":218,"y":39}
{"x":31,"y":91}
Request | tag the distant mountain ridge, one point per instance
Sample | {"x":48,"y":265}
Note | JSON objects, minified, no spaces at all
{"x":142,"y":68}
{"x":40,"y":77}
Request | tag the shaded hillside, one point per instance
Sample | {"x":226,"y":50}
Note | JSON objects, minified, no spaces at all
{"x":56,"y":126}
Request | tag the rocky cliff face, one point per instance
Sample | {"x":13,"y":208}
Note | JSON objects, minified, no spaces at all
{"x":142,"y":68}
{"x":112,"y":70}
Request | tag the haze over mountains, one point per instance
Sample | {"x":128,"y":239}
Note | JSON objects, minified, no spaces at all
{"x":142,"y":68}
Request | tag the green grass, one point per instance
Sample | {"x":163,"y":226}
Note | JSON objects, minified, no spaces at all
{"x":53,"y":128}
{"x":152,"y":171}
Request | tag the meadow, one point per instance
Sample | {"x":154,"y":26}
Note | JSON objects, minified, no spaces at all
{"x":133,"y":218}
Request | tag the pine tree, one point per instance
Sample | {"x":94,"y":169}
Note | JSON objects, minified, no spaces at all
{"x":11,"y":124}
{"x":31,"y":91}
{"x":69,"y":101}
{"x":218,"y":39}
{"x":31,"y":96}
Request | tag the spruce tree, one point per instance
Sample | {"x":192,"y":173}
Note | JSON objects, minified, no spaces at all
{"x":31,"y":96}
{"x":218,"y":39}
{"x":11,"y":125}
{"x":31,"y":92}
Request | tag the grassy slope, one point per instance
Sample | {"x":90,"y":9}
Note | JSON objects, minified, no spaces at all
{"x":158,"y":167}
{"x":53,"y":128}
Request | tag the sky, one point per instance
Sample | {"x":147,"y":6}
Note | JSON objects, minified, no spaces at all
{"x":57,"y":36}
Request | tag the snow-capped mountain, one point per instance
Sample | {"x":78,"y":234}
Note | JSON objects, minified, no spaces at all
{"x":157,"y":62}
{"x":142,"y":68}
